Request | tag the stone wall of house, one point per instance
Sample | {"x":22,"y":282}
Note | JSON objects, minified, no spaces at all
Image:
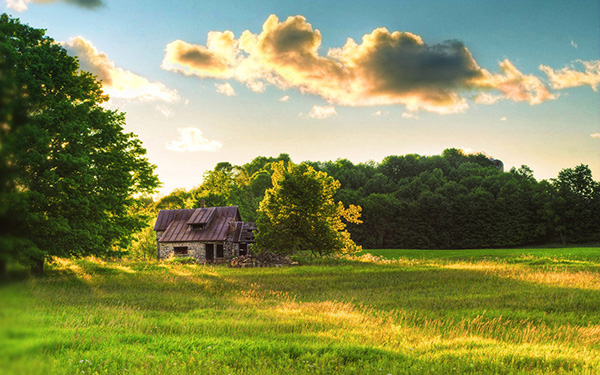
{"x":159,"y":234}
{"x":196,"y":250}
{"x":230,"y":250}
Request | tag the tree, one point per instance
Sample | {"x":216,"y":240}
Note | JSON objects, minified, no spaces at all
{"x":576,"y":205}
{"x":299,"y":213}
{"x":70,"y":173}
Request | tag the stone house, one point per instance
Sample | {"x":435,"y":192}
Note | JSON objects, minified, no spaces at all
{"x":208,"y":234}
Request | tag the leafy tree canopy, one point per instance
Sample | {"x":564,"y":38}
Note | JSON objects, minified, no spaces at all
{"x":69,"y":171}
{"x":299,"y":213}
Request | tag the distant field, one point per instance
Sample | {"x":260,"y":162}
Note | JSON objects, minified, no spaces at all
{"x":509,"y":311}
{"x":571,"y":253}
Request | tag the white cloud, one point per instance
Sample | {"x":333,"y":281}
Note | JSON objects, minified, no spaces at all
{"x":574,"y":44}
{"x":377,"y":113}
{"x":191,"y":139}
{"x":322,"y":112}
{"x":117,"y":82}
{"x":284,"y":99}
{"x":410,"y":116}
{"x":570,"y":77}
{"x":17,"y":5}
{"x":486,"y":98}
{"x":225,"y":89}
{"x":503,"y":118}
{"x":595,"y":135}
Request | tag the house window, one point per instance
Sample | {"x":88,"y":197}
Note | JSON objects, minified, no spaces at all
{"x":180,"y":250}
{"x":219,"y":251}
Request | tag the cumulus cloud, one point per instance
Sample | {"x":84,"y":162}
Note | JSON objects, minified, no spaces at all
{"x":216,"y":60}
{"x":322,"y":112}
{"x":410,"y":116}
{"x":117,"y":82}
{"x":284,"y":99}
{"x":486,"y":98}
{"x":515,"y":85}
{"x":225,"y":89}
{"x":595,"y":135}
{"x":22,"y":5}
{"x":384,"y":68}
{"x":569,"y":77}
{"x":191,"y":139}
{"x":503,"y":118}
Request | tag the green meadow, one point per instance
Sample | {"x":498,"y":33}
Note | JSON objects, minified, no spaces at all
{"x":499,"y":311}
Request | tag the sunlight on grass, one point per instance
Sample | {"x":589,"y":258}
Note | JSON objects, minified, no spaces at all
{"x":357,"y":315}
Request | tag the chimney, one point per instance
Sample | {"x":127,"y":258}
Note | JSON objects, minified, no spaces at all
{"x":202,"y":203}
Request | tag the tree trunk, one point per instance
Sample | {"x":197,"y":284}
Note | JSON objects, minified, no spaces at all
{"x":37,"y":266}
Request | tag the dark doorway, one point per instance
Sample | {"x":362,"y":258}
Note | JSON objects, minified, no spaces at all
{"x":243,"y":249}
{"x":210,"y":252}
{"x":219,"y":251}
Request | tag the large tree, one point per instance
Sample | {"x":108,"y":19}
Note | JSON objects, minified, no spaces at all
{"x":299,"y":213}
{"x":575,"y":205}
{"x":69,"y":171}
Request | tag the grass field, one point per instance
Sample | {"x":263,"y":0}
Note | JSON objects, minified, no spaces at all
{"x":509,"y":311}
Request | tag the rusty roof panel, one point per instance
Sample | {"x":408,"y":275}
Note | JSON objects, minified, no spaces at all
{"x":179,"y":230}
{"x":165,"y":217}
{"x":202,"y":215}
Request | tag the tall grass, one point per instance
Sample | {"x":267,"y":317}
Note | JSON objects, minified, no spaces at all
{"x":480,"y":312}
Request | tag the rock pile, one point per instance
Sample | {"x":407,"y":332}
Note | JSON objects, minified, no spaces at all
{"x":262,"y":260}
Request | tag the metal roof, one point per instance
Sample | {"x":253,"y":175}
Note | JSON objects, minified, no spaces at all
{"x":202,"y":216}
{"x":178,"y":224}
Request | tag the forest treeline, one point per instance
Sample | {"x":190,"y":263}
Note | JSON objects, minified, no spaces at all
{"x":452,"y":200}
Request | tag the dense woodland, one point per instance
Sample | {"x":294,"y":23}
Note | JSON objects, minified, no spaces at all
{"x":453,"y":200}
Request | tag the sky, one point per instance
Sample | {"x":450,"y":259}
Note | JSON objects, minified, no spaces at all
{"x":203,"y":82}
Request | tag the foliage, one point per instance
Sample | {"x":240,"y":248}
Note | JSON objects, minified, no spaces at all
{"x":143,"y":245}
{"x":452,"y":200}
{"x":447,"y":313}
{"x":576,"y":205}
{"x":299,"y":213}
{"x":69,"y":170}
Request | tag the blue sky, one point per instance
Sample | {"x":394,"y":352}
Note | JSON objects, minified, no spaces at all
{"x":203,"y":82}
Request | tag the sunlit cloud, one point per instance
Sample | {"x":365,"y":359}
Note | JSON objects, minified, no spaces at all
{"x":321,"y":112}
{"x":503,"y":119}
{"x":486,"y":98}
{"x":284,"y":99}
{"x":569,"y":77}
{"x":384,"y":68}
{"x":225,"y":89}
{"x":574,"y":44}
{"x":22,"y":5}
{"x":515,"y":85}
{"x":191,"y":139}
{"x":217,"y":60}
{"x":595,"y":135}
{"x":410,"y":116}
{"x":377,"y":113}
{"x":117,"y":82}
